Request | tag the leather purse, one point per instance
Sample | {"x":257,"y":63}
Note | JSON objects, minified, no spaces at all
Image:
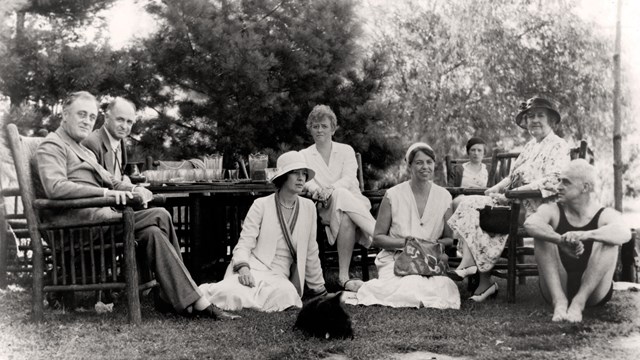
{"x":421,"y":258}
{"x":495,"y":219}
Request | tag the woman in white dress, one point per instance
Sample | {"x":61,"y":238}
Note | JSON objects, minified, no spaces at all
{"x":277,"y":251}
{"x":342,"y":207}
{"x":416,"y":208}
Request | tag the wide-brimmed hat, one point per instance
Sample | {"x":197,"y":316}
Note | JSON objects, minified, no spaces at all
{"x":290,"y":161}
{"x":537,"y":102}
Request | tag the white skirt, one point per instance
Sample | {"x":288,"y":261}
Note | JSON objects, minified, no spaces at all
{"x":342,"y":200}
{"x":417,"y":291}
{"x":271,"y":292}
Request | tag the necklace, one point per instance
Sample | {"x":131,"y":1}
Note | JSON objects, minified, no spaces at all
{"x":287,"y":207}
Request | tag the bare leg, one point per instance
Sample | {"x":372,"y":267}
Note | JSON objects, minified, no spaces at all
{"x":467,"y":259}
{"x":345,"y":242}
{"x":365,"y":223}
{"x":553,"y":277}
{"x":484,"y":282}
{"x":596,"y":280}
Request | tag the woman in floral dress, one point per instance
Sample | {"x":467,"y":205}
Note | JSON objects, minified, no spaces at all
{"x":537,"y":168}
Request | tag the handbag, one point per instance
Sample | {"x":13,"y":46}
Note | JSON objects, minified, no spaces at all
{"x":421,"y":258}
{"x":495,"y":219}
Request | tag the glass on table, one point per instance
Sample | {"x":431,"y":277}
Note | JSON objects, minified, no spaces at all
{"x":257,"y":163}
{"x":153,"y":177}
{"x":233,"y":174}
{"x":269,"y":172}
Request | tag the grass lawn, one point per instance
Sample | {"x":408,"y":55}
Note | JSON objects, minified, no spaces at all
{"x":491,"y":330}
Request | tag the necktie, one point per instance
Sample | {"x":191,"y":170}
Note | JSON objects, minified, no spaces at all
{"x":117,"y":171}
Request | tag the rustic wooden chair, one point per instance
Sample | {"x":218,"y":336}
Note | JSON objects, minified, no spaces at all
{"x":15,"y":243}
{"x":329,"y":253}
{"x":83,"y":256}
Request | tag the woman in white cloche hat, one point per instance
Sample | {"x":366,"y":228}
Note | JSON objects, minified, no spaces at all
{"x":277,"y":252}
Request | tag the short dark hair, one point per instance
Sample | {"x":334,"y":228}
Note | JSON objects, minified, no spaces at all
{"x":475,"y":141}
{"x":280,"y":180}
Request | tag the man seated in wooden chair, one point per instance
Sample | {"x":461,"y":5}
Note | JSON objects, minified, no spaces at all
{"x":576,"y":242}
{"x":68,"y":170}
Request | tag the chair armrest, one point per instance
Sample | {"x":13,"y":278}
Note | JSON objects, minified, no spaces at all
{"x":10,"y":192}
{"x":465,"y":191}
{"x":523,"y":194}
{"x":94,"y":202}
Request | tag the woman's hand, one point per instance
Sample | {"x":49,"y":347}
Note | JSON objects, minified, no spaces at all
{"x":492,"y":190}
{"x":325,"y":193}
{"x":245,"y":277}
{"x":499,"y":199}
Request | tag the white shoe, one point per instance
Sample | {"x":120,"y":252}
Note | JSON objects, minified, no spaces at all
{"x":461,"y":274}
{"x":490,"y":292}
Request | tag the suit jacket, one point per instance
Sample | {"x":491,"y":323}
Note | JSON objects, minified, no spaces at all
{"x":261,"y":231}
{"x":68,"y":170}
{"x":99,"y":142}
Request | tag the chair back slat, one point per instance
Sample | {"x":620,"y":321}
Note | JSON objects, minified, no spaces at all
{"x":360,"y":171}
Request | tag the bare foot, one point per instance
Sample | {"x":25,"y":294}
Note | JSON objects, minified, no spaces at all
{"x":559,"y":312}
{"x":574,"y":314}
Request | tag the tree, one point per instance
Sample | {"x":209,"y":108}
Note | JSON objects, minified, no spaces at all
{"x":247,"y":73}
{"x":462,"y":68}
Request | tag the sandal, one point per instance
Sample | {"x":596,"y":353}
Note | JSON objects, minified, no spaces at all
{"x":352,"y":285}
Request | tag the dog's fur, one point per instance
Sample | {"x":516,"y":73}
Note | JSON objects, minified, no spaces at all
{"x":324,"y":317}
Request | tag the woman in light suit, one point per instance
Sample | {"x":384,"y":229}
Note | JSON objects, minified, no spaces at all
{"x":342,"y":207}
{"x":270,"y":265}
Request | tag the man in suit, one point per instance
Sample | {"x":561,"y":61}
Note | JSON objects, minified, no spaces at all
{"x":577,"y":242}
{"x":68,"y":170}
{"x":107,"y":143}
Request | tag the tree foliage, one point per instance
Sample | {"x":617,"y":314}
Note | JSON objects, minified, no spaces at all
{"x":248,"y":73}
{"x":462,"y":68}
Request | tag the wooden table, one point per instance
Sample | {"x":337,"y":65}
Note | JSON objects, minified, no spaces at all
{"x":208,"y":220}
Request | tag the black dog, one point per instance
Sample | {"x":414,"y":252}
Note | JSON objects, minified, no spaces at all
{"x":324,"y":317}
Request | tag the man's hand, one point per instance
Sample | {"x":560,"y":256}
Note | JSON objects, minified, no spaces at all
{"x":121,"y":196}
{"x":571,"y":243}
{"x":575,"y":236}
{"x":245,"y":277}
{"x":145,"y":194}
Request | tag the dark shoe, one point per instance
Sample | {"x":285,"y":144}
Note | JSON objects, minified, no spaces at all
{"x":352,"y":285}
{"x":461,"y":274}
{"x":161,"y":305}
{"x":214,"y":312}
{"x":490,"y":292}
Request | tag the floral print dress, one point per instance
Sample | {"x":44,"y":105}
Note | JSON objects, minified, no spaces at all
{"x":538,"y":166}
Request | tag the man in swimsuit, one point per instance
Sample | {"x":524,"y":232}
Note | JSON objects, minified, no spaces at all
{"x":576,"y":242}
